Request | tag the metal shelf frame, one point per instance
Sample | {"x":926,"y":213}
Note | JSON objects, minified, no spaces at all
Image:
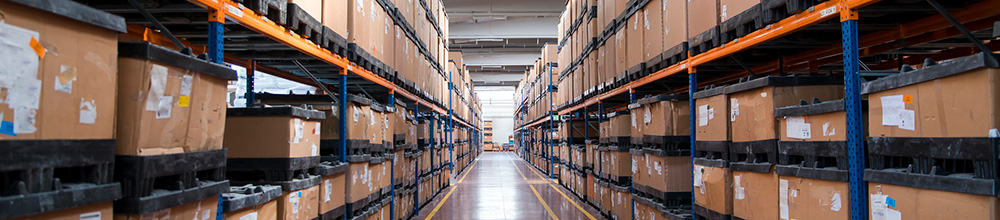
{"x":857,"y":41}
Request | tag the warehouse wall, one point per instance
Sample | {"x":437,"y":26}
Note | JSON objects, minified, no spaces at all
{"x":498,"y":106}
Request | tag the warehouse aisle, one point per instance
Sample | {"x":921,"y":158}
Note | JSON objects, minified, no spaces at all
{"x":502,"y":186}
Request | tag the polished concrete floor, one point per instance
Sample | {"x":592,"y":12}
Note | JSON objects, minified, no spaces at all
{"x":500,"y":185}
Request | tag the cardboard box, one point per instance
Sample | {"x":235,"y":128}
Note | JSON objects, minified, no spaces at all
{"x":266,"y":211}
{"x":712,"y":115}
{"x":619,"y":124}
{"x":971,"y":93}
{"x":639,"y":170}
{"x":731,"y":8}
{"x":668,"y":174}
{"x":619,"y":163}
{"x":754,"y":195}
{"x":665,"y":115}
{"x":166,"y":109}
{"x":752,"y":107}
{"x":621,"y":202}
{"x":82,"y":107}
{"x":831,"y":126}
{"x":900,"y":202}
{"x":331,"y":192}
{"x":358,"y":182}
{"x":202,"y":209}
{"x":714,"y":189}
{"x":359,"y":22}
{"x":652,"y":17}
{"x":99,"y":211}
{"x":675,"y":23}
{"x":334,"y":15}
{"x":700,"y":16}
{"x":268,"y":133}
{"x":314,"y":8}
{"x":299,"y":205}
{"x":803,"y":198}
{"x":634,"y":39}
{"x":621,"y":45}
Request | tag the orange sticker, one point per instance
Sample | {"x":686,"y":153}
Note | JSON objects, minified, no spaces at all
{"x":907,"y":99}
{"x":37,"y":47}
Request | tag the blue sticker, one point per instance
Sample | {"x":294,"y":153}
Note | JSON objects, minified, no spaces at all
{"x":891,"y":202}
{"x":7,"y":128}
{"x":300,"y":195}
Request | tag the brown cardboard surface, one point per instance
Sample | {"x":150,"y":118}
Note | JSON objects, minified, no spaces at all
{"x":331,"y":192}
{"x":962,"y":105}
{"x":202,"y":209}
{"x":675,"y":29}
{"x":714,"y":188}
{"x":620,"y":126}
{"x":299,"y":205}
{"x":830,"y":126}
{"x":271,"y":137}
{"x":197,"y":127}
{"x":754,"y":195}
{"x":700,"y":16}
{"x":621,"y":203}
{"x":358,"y":22}
{"x":89,"y":53}
{"x":652,"y":17}
{"x":358,"y":180}
{"x":638,"y":125}
{"x":814,"y":199}
{"x":666,"y":118}
{"x":619,"y":163}
{"x":639,"y":170}
{"x":756,"y":108}
{"x":634,"y":39}
{"x":668,"y":174}
{"x":621,"y":45}
{"x":312,"y":7}
{"x":913,"y":203}
{"x":266,"y":211}
{"x":730,"y":8}
{"x":100,"y":211}
{"x":717,"y":128}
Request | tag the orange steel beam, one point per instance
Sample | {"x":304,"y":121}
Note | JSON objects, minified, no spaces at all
{"x":249,"y":19}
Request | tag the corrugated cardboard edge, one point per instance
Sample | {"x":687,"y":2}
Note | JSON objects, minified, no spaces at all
{"x":941,"y":70}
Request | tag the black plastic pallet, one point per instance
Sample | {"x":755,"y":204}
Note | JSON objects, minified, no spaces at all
{"x":334,"y":214}
{"x":667,"y":145}
{"x":143,"y":176}
{"x":964,"y":165}
{"x":270,"y":169}
{"x":303,"y":24}
{"x":334,"y":42}
{"x":703,"y":213}
{"x":637,"y":71}
{"x":663,"y":199}
{"x":47,"y":175}
{"x":672,"y":56}
{"x":741,"y":24}
{"x":240,"y":197}
{"x":274,"y":10}
{"x":704,"y":41}
{"x":777,"y":10}
{"x":357,"y":150}
{"x":826,"y":160}
{"x":753,"y":156}
{"x":712,"y":151}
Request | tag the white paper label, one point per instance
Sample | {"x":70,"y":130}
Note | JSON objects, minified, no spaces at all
{"x":881,"y":210}
{"x":328,"y":188}
{"x":891,"y":106}
{"x":835,"y":203}
{"x":647,"y":116}
{"x":738,"y":190}
{"x":91,"y":216}
{"x":298,"y":124}
{"x":316,"y":130}
{"x":157,"y":84}
{"x":315,"y":150}
{"x":251,"y":216}
{"x":164,"y":107}
{"x":26,"y":92}
{"x":826,"y":130}
{"x":235,"y":11}
{"x":907,"y":120}
{"x":65,"y":79}
{"x":20,"y":60}
{"x":356,"y":110}
{"x":205,"y":215}
{"x":734,"y":109}
{"x":796,"y":127}
{"x":828,"y":11}
{"x":783,"y":198}
{"x":697,"y":176}
{"x":186,"y":82}
{"x":702,"y":115}
{"x":88,"y":111}
{"x":295,"y":203}
{"x":24,"y":120}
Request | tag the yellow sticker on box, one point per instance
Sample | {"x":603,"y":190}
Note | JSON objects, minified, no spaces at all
{"x":184,"y":101}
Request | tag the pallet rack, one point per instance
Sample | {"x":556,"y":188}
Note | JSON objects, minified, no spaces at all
{"x":873,"y":35}
{"x":237,"y":35}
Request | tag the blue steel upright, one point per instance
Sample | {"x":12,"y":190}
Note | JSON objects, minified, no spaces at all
{"x":251,"y":69}
{"x":692,"y":88}
{"x":552,"y":121}
{"x":341,"y":111}
{"x":852,"y":100}
{"x":392,"y":164}
{"x":451,"y":125}
{"x":215,"y":31}
{"x":416,"y":184}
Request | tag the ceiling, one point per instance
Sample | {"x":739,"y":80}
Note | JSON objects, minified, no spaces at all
{"x":500,"y":39}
